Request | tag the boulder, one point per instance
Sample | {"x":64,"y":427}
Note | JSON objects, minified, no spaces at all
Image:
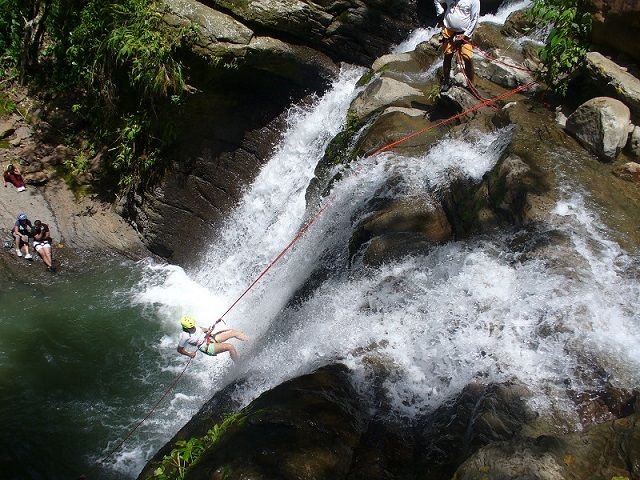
{"x":384,"y":92}
{"x":508,"y":186}
{"x":408,"y":221}
{"x":615,"y":25}
{"x":480,"y":415}
{"x":629,"y":171}
{"x":605,"y":77}
{"x":307,"y":427}
{"x":604,"y":452}
{"x":634,"y":142}
{"x":456,"y":100}
{"x":392,"y":60}
{"x":395,"y":123}
{"x":8,"y":126}
{"x":601,"y":125}
{"x":519,"y":24}
{"x":228,"y":42}
{"x":352,"y":30}
{"x":504,"y":71}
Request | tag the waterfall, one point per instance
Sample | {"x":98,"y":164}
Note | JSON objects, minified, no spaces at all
{"x":484,"y":309}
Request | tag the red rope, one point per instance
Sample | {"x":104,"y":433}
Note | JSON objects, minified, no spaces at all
{"x":297,"y":237}
{"x":472,"y":88}
{"x":137,"y":425}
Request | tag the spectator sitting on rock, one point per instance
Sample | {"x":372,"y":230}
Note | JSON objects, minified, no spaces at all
{"x":12,"y":174}
{"x":21,"y":231}
{"x":42,"y":243}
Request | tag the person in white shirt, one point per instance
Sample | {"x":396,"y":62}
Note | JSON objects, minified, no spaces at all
{"x":205,"y":341}
{"x":460,"y":20}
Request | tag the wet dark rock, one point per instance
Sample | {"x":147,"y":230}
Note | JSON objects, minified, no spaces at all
{"x":606,"y":451}
{"x":615,"y":26}
{"x":603,"y":77}
{"x":508,"y":187}
{"x":382,"y":93}
{"x":399,"y":228}
{"x":479,"y":416}
{"x":225,"y":134}
{"x":519,"y":24}
{"x":307,"y":427}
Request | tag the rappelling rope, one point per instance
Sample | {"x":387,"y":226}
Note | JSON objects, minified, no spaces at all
{"x":297,"y":237}
{"x":472,"y":88}
{"x":329,"y":201}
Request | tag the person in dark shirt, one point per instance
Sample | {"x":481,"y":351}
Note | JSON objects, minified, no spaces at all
{"x":42,"y":243}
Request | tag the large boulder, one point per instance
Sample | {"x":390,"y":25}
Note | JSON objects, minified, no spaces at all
{"x":616,"y":24}
{"x":384,"y":92}
{"x":602,"y":125}
{"x":407,"y":226}
{"x":606,"y":78}
{"x":604,"y":452}
{"x":356,"y":31}
{"x":307,"y":427}
{"x":480,"y":415}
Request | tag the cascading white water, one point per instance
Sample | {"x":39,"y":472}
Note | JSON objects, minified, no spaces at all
{"x":467,"y":310}
{"x":268,"y":216}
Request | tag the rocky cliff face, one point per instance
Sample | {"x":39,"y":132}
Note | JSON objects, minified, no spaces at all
{"x":251,"y":60}
{"x":615,"y":26}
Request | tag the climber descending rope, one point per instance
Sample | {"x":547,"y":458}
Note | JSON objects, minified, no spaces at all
{"x":206,"y":342}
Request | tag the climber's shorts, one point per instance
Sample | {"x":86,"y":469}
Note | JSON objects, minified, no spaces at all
{"x":466,"y":49}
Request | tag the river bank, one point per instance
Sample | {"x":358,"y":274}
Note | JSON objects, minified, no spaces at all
{"x":79,"y":221}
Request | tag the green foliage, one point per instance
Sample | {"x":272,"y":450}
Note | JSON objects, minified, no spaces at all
{"x":119,"y":63}
{"x":77,"y":165}
{"x":126,"y":44}
{"x":566,"y":45}
{"x":7,"y":106}
{"x":187,"y":452}
{"x":11,"y":12}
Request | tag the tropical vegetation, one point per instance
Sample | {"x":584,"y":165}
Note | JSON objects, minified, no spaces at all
{"x":566,"y":45}
{"x":117,"y":59}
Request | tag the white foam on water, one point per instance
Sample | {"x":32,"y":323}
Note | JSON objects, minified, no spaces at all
{"x":416,"y":37}
{"x":268,"y":216}
{"x":506,"y":9}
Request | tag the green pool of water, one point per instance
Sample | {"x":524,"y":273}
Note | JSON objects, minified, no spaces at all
{"x":78,"y":364}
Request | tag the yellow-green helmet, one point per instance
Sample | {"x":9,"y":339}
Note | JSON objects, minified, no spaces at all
{"x":187,"y":322}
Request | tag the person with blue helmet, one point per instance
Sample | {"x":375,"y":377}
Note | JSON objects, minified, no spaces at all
{"x":206,"y":341}
{"x":21,"y":233}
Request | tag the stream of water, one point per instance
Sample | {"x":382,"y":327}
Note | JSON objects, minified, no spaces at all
{"x":82,"y":360}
